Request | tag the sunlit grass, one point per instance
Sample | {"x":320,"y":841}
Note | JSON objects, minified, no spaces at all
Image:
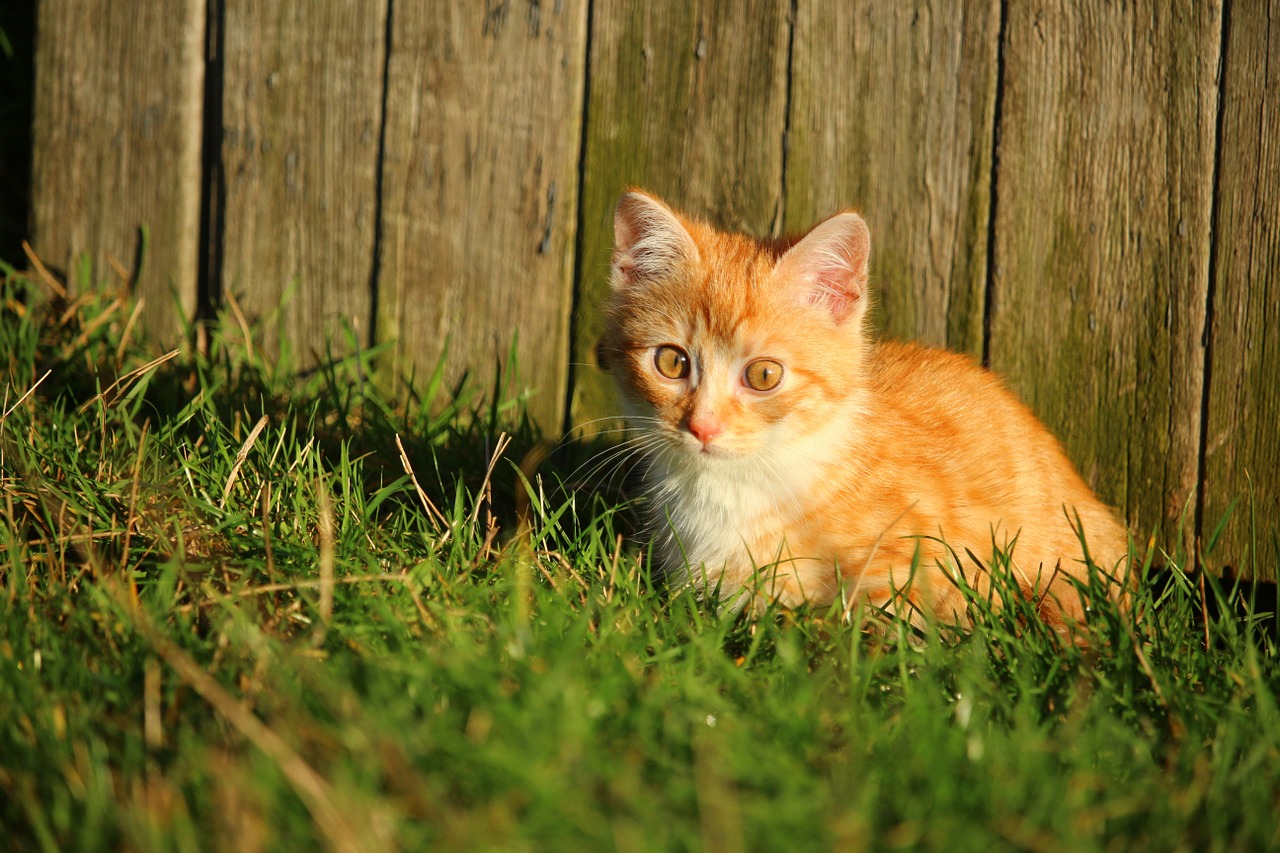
{"x":250,"y":606}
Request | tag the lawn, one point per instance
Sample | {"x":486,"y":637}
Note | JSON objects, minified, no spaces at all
{"x":246,"y":606}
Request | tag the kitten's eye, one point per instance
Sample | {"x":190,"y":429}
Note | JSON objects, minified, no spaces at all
{"x":672,"y":362}
{"x":763,"y":374}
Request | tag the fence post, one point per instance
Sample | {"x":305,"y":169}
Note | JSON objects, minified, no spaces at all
{"x":117,"y":133}
{"x":1103,"y":197}
{"x":302,"y":117}
{"x":1242,"y":435}
{"x":481,"y":191}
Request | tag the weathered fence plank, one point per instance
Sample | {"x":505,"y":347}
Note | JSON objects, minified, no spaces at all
{"x":481,"y":188}
{"x":118,"y":103}
{"x":302,"y":112}
{"x":892,"y":113}
{"x":687,"y":100}
{"x":1242,"y":452}
{"x":1104,"y":192}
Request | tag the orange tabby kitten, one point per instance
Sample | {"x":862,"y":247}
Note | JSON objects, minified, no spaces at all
{"x":791,"y":457}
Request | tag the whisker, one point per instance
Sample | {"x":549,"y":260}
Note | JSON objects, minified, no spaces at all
{"x":615,"y":459}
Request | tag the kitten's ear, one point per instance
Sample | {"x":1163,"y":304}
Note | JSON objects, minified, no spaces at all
{"x":830,"y":266}
{"x":649,"y":241}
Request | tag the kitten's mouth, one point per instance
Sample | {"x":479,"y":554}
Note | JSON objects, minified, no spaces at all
{"x":711,"y":450}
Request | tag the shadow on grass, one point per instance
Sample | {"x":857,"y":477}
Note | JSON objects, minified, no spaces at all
{"x":88,"y":370}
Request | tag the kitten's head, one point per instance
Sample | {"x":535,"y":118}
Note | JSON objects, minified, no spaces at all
{"x":726,"y":346}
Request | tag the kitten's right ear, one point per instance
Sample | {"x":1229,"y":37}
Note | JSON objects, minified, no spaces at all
{"x":650,"y":242}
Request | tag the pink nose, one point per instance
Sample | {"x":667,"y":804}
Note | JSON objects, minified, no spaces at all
{"x":705,"y":428}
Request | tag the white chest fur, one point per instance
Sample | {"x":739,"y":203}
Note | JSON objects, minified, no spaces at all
{"x":722,"y":515}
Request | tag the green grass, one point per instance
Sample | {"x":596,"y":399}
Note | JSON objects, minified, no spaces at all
{"x":212,"y":637}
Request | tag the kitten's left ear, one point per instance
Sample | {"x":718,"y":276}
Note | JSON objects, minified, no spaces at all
{"x":829,"y":264}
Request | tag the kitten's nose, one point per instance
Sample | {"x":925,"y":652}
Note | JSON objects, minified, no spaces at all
{"x":705,"y":427}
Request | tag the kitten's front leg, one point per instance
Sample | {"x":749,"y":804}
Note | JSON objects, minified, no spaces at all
{"x":791,"y":581}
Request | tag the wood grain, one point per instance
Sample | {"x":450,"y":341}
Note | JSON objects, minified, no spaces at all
{"x":1242,"y":451}
{"x":1104,"y":191}
{"x":892,"y":113}
{"x":302,"y":112}
{"x":687,"y":100}
{"x":481,"y":190}
{"x":118,"y":103}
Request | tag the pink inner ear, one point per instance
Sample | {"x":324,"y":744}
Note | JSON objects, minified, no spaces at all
{"x":625,"y":227}
{"x":830,"y":263}
{"x":834,"y":286}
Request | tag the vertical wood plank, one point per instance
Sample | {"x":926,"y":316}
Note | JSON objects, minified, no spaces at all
{"x":1104,"y":174}
{"x":1242,"y":452}
{"x":481,"y":190}
{"x":892,"y":113}
{"x":118,"y":104}
{"x":302,"y":113}
{"x":687,"y":100}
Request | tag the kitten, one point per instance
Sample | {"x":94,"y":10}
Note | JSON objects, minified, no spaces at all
{"x":790,"y":457}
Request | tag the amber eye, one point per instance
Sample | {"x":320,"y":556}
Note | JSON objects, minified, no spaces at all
{"x":672,"y":362}
{"x":763,"y":374}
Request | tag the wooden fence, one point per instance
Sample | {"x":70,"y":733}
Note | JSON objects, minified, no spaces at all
{"x":1086,"y":195}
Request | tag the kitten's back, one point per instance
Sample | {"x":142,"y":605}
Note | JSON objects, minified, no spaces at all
{"x":986,"y":469}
